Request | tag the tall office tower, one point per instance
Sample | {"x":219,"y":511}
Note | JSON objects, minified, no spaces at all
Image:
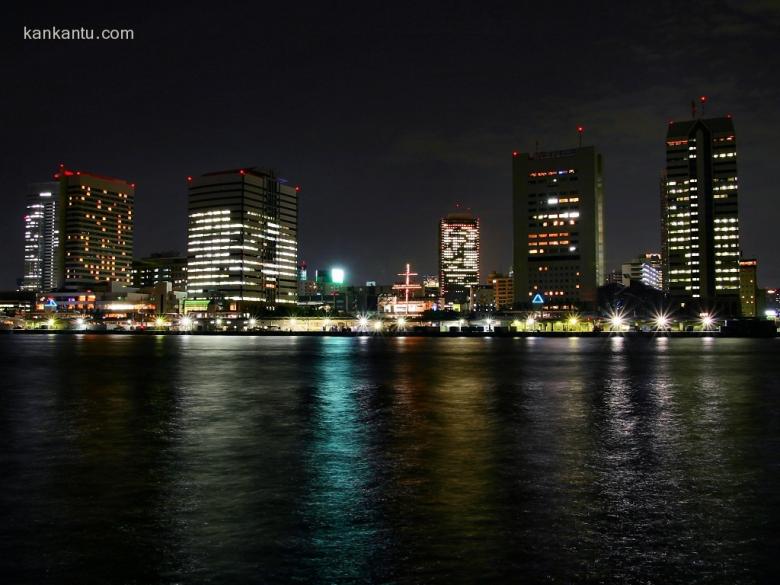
{"x":41,"y":238}
{"x":96,"y":230}
{"x":458,"y":257}
{"x":558,"y":200}
{"x":700,"y":214}
{"x":242,"y":239}
{"x":748,"y":287}
{"x":645,"y":268}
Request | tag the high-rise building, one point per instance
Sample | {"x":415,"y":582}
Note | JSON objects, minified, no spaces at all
{"x":458,"y":257}
{"x":558,"y":200}
{"x":166,"y":266}
{"x":41,"y":238}
{"x":242,"y":239}
{"x":645,"y":268}
{"x":503,"y":290}
{"x":701,"y":220}
{"x":748,"y":287}
{"x":96,"y":230}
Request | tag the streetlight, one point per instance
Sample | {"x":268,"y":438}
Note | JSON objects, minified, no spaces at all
{"x":252,"y":323}
{"x":80,"y":323}
{"x":661,"y":322}
{"x":185,"y":323}
{"x":363,"y":322}
{"x":707,"y":321}
{"x":377,"y":325}
{"x":159,"y":321}
{"x":616,"y":321}
{"x":50,"y":323}
{"x":401,"y":322}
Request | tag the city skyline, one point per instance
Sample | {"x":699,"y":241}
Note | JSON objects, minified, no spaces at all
{"x":429,"y":151}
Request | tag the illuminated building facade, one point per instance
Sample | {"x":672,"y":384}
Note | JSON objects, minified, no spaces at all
{"x":458,"y":257}
{"x":701,"y":221}
{"x":646,"y":269}
{"x":96,"y":230}
{"x":558,"y":203}
{"x":748,"y":287}
{"x":503,"y":290}
{"x":242,"y":239}
{"x":41,"y":238}
{"x":161,"y":267}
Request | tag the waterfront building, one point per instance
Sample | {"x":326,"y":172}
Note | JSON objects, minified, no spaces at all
{"x":484,"y":298}
{"x":614,"y":277}
{"x":41,"y":238}
{"x":748,"y":287}
{"x":558,"y":216}
{"x":645,"y":268}
{"x":242,"y":239}
{"x":700,"y":214}
{"x":161,"y":267}
{"x":503,"y":290}
{"x":458,"y":258}
{"x":96,"y":230}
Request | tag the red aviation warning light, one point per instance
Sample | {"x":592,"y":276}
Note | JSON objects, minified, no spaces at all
{"x":580,"y":130}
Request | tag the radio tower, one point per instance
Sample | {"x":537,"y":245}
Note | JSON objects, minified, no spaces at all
{"x":407,"y":286}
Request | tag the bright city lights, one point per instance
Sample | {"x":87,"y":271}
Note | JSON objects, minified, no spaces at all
{"x":661,"y":321}
{"x":50,"y":323}
{"x":253,"y":322}
{"x":707,"y":321}
{"x":378,"y":325}
{"x":185,"y":323}
{"x":363,"y":321}
{"x":616,"y":321}
{"x":159,"y":321}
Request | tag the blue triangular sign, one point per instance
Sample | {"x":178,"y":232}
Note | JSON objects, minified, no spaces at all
{"x":538,"y":299}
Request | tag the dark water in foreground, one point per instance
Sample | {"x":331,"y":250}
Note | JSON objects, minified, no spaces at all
{"x":330,"y":460}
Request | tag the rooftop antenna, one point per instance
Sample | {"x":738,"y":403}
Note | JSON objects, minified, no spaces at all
{"x":702,"y":100}
{"x":693,"y":108}
{"x":580,"y":130}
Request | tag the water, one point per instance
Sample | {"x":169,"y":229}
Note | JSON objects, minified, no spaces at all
{"x":390,"y":460}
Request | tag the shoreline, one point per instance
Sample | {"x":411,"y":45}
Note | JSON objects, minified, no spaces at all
{"x":443,"y":334}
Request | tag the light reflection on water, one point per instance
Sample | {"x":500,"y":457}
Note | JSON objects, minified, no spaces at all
{"x":250,"y":459}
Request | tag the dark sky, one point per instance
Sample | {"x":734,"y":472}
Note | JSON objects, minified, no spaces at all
{"x":387,"y":114}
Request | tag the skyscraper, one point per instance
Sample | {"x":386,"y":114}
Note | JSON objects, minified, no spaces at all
{"x":96,"y":230}
{"x":748,"y":287}
{"x":41,"y":238}
{"x":701,"y":220}
{"x":458,"y":257}
{"x":558,"y":201}
{"x":242,"y":239}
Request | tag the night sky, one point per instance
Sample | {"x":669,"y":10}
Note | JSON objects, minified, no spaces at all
{"x":387,"y":114}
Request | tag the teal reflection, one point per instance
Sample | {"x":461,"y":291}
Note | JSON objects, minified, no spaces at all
{"x":337,"y":504}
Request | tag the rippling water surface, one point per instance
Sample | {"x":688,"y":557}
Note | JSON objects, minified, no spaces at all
{"x":388,"y":460}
